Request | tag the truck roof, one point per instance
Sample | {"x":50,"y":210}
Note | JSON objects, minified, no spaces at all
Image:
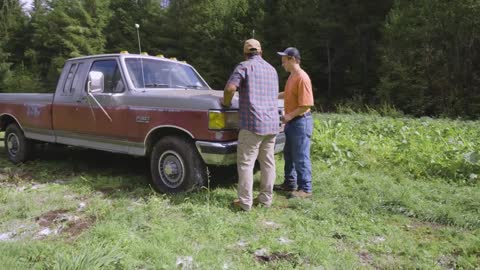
{"x":128,"y":55}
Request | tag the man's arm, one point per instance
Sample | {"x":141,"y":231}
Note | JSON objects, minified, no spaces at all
{"x":298,"y":111}
{"x":232,"y":85}
{"x":228,"y":93}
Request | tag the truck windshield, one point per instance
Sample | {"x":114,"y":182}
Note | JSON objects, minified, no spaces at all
{"x":163,"y":74}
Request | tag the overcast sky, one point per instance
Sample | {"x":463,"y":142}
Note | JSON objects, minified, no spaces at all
{"x":28,"y":3}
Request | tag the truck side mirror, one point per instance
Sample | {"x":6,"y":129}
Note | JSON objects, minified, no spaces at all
{"x":95,"y":82}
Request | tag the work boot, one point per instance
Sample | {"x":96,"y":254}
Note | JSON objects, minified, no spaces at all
{"x":283,"y":187}
{"x":237,"y":205}
{"x":256,"y":202}
{"x":299,"y":194}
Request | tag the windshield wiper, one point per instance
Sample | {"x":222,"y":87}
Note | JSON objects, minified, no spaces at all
{"x":160,"y":85}
{"x":196,"y":86}
{"x":163,"y":85}
{"x":188,"y":86}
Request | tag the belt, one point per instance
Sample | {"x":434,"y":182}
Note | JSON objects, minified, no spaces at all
{"x":301,"y":116}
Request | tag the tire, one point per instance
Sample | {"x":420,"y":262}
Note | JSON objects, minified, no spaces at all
{"x":17,"y":147}
{"x":176,"y":166}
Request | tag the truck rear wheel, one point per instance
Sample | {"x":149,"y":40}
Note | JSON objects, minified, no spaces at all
{"x":17,"y":146}
{"x":176,"y":166}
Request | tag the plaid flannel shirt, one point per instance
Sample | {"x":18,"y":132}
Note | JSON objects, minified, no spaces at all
{"x":257,"y":84}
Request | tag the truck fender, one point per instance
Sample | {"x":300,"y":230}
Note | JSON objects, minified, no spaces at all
{"x":7,"y":119}
{"x":159,"y":132}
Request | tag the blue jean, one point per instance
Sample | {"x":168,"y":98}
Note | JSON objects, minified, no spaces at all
{"x":298,"y":168}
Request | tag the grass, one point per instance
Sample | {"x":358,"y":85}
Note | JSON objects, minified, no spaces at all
{"x":373,"y":207}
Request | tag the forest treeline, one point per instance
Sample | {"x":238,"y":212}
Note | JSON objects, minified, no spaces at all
{"x":421,"y":57}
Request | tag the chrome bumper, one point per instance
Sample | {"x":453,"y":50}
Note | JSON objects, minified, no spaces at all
{"x":225,"y":153}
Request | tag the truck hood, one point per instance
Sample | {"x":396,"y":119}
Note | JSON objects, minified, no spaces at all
{"x":187,"y":99}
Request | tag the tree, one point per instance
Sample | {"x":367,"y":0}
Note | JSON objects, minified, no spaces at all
{"x":210,"y":34}
{"x":337,"y":40}
{"x":12,"y":24}
{"x":430,"y":57}
{"x":63,"y":29}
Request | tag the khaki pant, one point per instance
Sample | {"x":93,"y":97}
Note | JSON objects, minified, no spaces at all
{"x":251,"y":147}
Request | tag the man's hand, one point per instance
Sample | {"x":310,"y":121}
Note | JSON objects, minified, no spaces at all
{"x":298,"y":111}
{"x":286,"y":118}
{"x":228,"y":93}
{"x":222,"y":100}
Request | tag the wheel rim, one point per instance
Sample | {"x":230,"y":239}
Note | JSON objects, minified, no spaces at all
{"x":171,"y":169}
{"x":13,"y":144}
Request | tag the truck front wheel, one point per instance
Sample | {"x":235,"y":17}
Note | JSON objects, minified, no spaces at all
{"x":17,"y":146}
{"x":176,"y":166}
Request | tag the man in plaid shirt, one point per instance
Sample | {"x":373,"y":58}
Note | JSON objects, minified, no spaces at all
{"x":257,"y":84}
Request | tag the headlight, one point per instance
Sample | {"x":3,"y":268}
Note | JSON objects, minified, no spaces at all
{"x":223,"y":120}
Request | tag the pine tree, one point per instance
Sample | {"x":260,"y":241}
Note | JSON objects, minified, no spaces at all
{"x":12,"y":27}
{"x":63,"y":29}
{"x":430,"y":58}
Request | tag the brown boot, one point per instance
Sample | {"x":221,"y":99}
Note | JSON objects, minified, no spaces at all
{"x":299,"y":194}
{"x":256,"y":202}
{"x":238,"y":206}
{"x":283,"y":187}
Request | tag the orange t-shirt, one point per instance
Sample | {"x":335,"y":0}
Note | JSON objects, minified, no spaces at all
{"x":298,"y":91}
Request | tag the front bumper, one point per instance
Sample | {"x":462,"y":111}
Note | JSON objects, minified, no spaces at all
{"x":225,"y":153}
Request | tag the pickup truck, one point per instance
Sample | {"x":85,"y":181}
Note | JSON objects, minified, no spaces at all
{"x":133,"y":104}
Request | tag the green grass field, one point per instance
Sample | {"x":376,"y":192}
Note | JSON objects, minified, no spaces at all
{"x":389,"y":193}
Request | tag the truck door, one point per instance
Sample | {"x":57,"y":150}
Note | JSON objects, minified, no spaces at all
{"x":112,"y":125}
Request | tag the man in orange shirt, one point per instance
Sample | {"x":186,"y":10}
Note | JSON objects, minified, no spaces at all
{"x":298,"y":121}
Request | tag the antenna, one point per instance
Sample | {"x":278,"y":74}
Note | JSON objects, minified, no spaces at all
{"x":253,"y":33}
{"x":137,"y":26}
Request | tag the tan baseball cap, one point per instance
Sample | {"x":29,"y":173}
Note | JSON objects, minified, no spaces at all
{"x":252,"y":45}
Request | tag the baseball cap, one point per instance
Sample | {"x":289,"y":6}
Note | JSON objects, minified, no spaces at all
{"x":290,"y":51}
{"x":252,"y":45}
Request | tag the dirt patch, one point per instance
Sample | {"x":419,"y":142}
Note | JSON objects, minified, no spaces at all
{"x":426,"y":225}
{"x":51,"y":218}
{"x":279,"y":256}
{"x":62,"y":222}
{"x":365,"y":258}
{"x":446,"y":262}
{"x":76,"y":227}
{"x":339,"y":236}
{"x":15,"y":175}
{"x":107,"y":190}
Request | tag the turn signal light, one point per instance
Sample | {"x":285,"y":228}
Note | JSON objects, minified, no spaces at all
{"x":222,"y":120}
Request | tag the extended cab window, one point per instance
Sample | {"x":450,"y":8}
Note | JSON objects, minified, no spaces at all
{"x":76,"y":79}
{"x":68,"y":82}
{"x":111,"y":74}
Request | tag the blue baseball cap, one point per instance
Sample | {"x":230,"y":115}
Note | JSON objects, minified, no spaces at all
{"x":291,"y":51}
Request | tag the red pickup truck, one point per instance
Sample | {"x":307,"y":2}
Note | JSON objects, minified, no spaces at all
{"x":132,"y":104}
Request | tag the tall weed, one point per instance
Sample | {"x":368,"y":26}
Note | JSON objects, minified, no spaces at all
{"x":423,"y":148}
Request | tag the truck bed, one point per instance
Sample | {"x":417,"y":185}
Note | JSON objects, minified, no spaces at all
{"x":32,"y":111}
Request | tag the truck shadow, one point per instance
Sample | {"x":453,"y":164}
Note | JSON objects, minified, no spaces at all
{"x":91,"y":161}
{"x":112,"y":173}
{"x":115,"y":176}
